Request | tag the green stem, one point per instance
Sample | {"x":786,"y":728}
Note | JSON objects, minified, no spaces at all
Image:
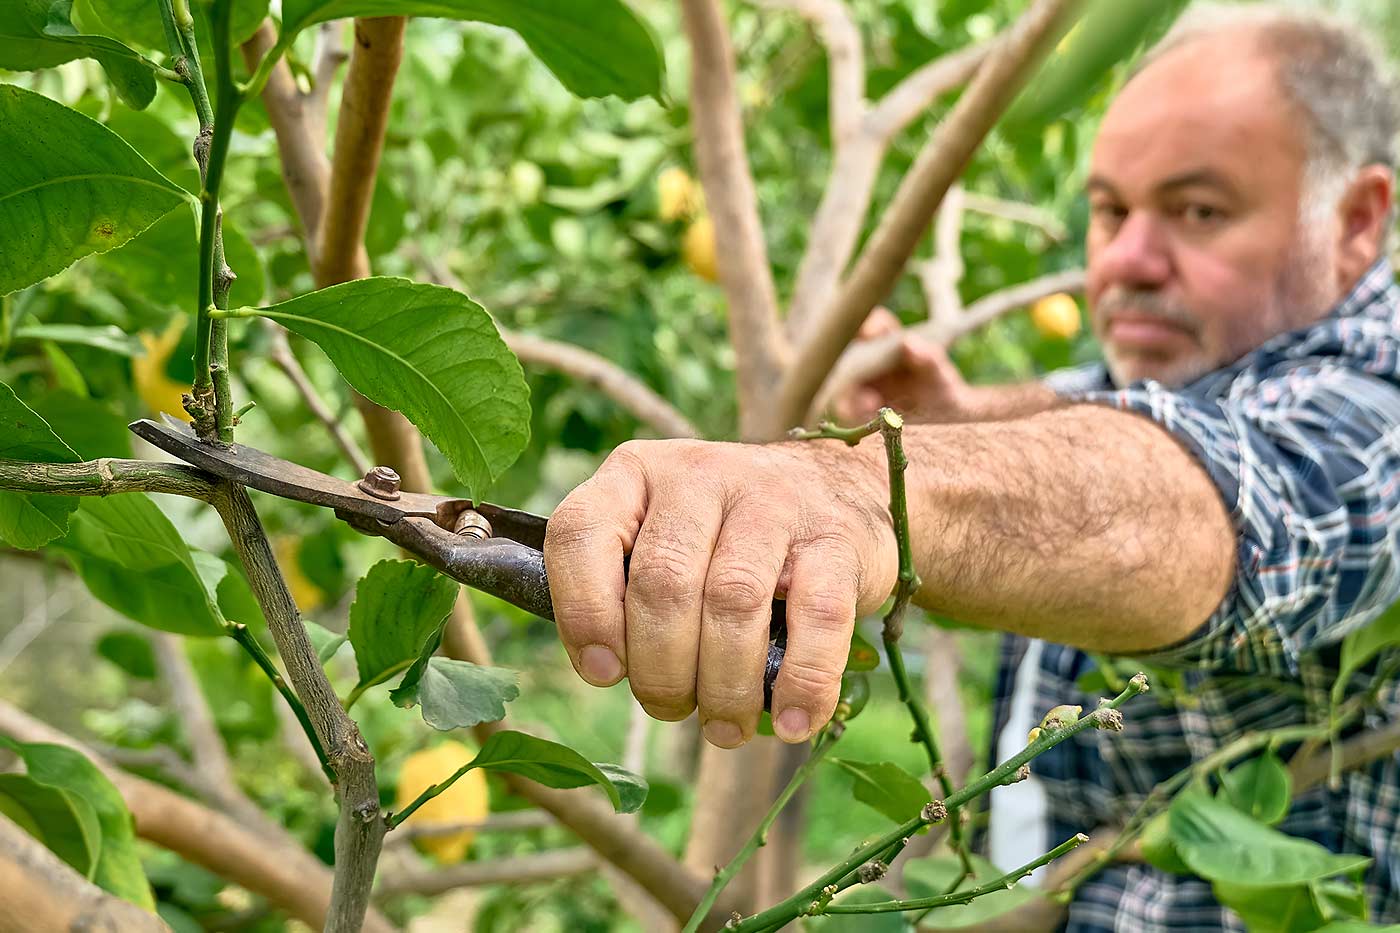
{"x":394,"y":819}
{"x":1003,"y":773}
{"x":961,"y":897}
{"x":825,"y":740}
{"x":240,"y":633}
{"x":255,"y":84}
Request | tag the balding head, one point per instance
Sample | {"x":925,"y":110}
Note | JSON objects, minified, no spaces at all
{"x":1235,"y":192}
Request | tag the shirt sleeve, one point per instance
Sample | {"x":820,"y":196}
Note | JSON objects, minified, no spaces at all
{"x":1308,"y":462}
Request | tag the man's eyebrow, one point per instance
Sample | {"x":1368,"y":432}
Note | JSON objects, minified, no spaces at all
{"x":1203,"y":177}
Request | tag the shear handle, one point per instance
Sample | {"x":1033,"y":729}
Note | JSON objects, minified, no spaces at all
{"x":515,"y":573}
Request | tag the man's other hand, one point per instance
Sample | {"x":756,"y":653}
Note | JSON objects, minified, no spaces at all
{"x":924,"y":385}
{"x":714,"y":531}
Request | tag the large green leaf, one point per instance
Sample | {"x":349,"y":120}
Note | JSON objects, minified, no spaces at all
{"x":458,"y":694}
{"x":68,"y":187}
{"x":886,"y":787}
{"x":1290,"y":909}
{"x":118,"y":868}
{"x":554,"y":765}
{"x":138,"y":22}
{"x":92,"y":428}
{"x":132,"y":558}
{"x":62,"y":821}
{"x":30,"y":520}
{"x":1221,"y":844}
{"x":429,"y":352}
{"x":103,"y":337}
{"x":930,"y":877}
{"x":1365,"y":643}
{"x":595,"y":47}
{"x":1260,"y":787}
{"x":399,"y":605}
{"x":39,"y":34}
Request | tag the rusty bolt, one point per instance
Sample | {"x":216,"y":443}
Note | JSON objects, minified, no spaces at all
{"x":381,"y":482}
{"x":472,"y":525}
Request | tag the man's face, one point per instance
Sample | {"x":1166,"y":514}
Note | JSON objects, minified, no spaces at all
{"x":1196,"y":251}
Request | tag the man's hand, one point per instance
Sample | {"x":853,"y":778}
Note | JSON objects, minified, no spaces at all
{"x":923,"y":386}
{"x":714,"y":532}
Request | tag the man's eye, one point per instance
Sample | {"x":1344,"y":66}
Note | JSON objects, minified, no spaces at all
{"x":1108,"y":211}
{"x":1201,"y":214}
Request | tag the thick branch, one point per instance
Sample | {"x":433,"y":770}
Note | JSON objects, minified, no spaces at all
{"x":522,"y":869}
{"x":939,"y":164}
{"x":1029,"y":214}
{"x":759,"y":348}
{"x":42,"y":892}
{"x":912,"y":97}
{"x":105,"y":477}
{"x":359,"y":832}
{"x":272,"y":864}
{"x":330,"y":54}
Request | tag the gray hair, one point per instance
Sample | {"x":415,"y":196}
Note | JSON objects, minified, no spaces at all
{"x":1332,"y":72}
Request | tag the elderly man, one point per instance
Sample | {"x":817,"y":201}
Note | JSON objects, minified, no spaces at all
{"x":1221,"y":498}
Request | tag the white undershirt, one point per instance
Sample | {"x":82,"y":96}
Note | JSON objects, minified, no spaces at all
{"x":1019,"y":831}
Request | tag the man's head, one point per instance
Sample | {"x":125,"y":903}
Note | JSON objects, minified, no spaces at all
{"x":1241,"y":183}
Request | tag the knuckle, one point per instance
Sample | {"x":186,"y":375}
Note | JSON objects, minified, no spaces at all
{"x":825,"y":612}
{"x":663,"y":572}
{"x":816,"y":681}
{"x":737,"y":590}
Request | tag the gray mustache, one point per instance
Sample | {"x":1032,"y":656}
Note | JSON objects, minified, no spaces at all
{"x":1151,"y":303}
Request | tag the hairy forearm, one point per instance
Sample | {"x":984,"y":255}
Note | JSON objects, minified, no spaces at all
{"x":1080,"y":524}
{"x":1002,"y":402}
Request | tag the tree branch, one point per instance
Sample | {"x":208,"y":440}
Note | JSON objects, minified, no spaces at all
{"x":759,"y":347}
{"x":280,"y":352}
{"x":1029,"y":214}
{"x":42,"y":892}
{"x":273,"y":864}
{"x":105,"y":477}
{"x":359,"y":832}
{"x":911,"y":98}
{"x":845,"y":61}
{"x":521,"y":869}
{"x":330,"y":54}
{"x":939,"y":164}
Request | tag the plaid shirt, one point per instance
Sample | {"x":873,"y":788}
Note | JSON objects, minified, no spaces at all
{"x":1302,"y":437}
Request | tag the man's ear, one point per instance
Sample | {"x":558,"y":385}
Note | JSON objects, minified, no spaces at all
{"x":1364,"y":214}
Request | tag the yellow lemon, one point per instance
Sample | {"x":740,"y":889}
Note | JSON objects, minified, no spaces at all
{"x":1056,"y":316}
{"x":678,"y":195}
{"x":463,"y":802}
{"x":305,"y":594}
{"x":157,"y":390}
{"x":698,"y":248}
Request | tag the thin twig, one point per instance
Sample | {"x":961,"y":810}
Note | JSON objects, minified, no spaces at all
{"x":516,"y":870}
{"x":280,"y":352}
{"x":105,"y":477}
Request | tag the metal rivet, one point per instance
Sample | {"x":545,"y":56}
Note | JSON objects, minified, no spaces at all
{"x":381,"y":482}
{"x":472,"y":525}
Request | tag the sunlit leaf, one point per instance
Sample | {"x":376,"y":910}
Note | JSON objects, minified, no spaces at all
{"x":886,"y":787}
{"x":69,"y":187}
{"x":61,"y":820}
{"x":139,"y":22}
{"x":40,"y":34}
{"x":1259,"y":787}
{"x":551,"y":764}
{"x":458,"y":694}
{"x":398,"y":606}
{"x":595,"y":47}
{"x":429,"y":352}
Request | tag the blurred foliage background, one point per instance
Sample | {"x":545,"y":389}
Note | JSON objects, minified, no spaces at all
{"x":553,"y":214}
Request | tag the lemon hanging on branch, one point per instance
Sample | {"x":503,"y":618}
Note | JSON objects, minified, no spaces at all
{"x":698,"y":248}
{"x":1056,"y":316}
{"x":678,"y":196}
{"x":465,"y":801}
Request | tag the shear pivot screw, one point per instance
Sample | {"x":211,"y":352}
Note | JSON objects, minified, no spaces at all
{"x":473,"y":525}
{"x":381,"y":482}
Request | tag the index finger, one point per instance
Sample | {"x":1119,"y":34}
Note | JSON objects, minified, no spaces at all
{"x":584,"y":547}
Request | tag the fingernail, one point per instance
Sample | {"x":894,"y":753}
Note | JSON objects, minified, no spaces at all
{"x":792,"y":725}
{"x":722,"y":733}
{"x":599,"y":666}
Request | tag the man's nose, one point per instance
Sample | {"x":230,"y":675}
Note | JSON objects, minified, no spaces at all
{"x":1136,"y":255}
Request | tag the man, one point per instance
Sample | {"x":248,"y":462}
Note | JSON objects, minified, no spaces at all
{"x":1226,"y":504}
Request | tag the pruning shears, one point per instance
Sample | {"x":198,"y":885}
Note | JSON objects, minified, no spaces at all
{"x":488,"y":547}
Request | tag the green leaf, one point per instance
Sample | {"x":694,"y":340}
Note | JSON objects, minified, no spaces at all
{"x":326,"y":642}
{"x":632,"y":789}
{"x":1259,"y":787}
{"x":1220,"y":843}
{"x":107,"y":337}
{"x":930,"y":877}
{"x":118,"y":869}
{"x":39,"y":34}
{"x":232,"y":594}
{"x":1158,"y":848}
{"x":91,"y":427}
{"x":130,"y":652}
{"x":66,"y":374}
{"x":595,"y":47}
{"x":31,"y":520}
{"x":69,"y":187}
{"x":399,"y":605}
{"x":862,"y":656}
{"x":549,"y":763}
{"x":162,"y":264}
{"x":139,"y":23}
{"x":1290,"y":909}
{"x":431,"y":353}
{"x":63,"y":822}
{"x":458,"y":694}
{"x":1365,"y":643}
{"x":1357,"y":926}
{"x":132,"y":558}
{"x":886,"y":787}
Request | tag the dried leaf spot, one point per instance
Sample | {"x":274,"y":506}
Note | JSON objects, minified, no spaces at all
{"x":105,"y":229}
